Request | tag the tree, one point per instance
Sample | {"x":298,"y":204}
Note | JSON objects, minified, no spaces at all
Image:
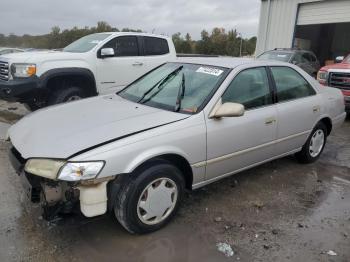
{"x":218,"y":42}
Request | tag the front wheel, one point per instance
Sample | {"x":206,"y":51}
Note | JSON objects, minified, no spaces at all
{"x":314,"y":145}
{"x":149,"y":198}
{"x":64,"y":95}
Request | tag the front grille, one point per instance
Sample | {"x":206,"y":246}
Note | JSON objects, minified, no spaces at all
{"x":340,"y":80}
{"x":4,"y":71}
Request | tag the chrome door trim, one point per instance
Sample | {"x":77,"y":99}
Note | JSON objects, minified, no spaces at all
{"x":228,"y":156}
{"x":203,"y":183}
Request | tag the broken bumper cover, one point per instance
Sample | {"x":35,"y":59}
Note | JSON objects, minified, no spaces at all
{"x":21,"y":90}
{"x":61,"y":196}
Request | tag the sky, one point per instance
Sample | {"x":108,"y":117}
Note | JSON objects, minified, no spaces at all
{"x":160,"y":16}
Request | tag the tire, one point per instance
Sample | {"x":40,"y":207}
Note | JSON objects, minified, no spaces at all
{"x":32,"y":106}
{"x":308,"y":154}
{"x":65,"y":95}
{"x":160,"y":186}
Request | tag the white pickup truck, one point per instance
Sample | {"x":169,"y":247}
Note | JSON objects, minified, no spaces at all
{"x":96,"y":64}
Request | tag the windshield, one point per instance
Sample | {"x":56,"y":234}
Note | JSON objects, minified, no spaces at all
{"x":347,"y":59}
{"x":274,"y":55}
{"x":176,"y":87}
{"x":85,"y":43}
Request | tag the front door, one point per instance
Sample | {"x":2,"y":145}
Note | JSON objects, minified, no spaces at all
{"x":234,"y":143}
{"x":114,"y":73}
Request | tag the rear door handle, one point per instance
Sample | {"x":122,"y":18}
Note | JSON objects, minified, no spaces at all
{"x":316,"y":109}
{"x":137,"y":64}
{"x":270,"y":120}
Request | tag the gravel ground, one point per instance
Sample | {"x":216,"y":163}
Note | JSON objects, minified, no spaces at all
{"x":280,"y":211}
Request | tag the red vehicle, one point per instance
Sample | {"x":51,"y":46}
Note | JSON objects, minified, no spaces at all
{"x":338,"y":76}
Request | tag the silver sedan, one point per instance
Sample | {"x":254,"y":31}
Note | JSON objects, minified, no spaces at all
{"x":181,"y":126}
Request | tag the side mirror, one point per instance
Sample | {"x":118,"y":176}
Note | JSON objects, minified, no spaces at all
{"x":228,"y":110}
{"x":294,"y":62}
{"x":339,"y":59}
{"x":107,"y":52}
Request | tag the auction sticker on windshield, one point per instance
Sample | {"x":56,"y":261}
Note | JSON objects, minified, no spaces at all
{"x":209,"y":71}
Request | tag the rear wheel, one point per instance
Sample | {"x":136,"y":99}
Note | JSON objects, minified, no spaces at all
{"x":148,"y":199}
{"x":314,"y":146}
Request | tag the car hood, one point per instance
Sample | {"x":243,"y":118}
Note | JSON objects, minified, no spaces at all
{"x":336,"y":66}
{"x":40,"y":56}
{"x":64,"y":130}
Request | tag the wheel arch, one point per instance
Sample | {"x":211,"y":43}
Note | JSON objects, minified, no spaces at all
{"x":177,"y":159}
{"x":327,"y":121}
{"x":84,"y":75}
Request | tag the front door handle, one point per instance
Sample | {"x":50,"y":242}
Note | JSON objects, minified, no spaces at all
{"x":137,"y":64}
{"x":270,"y":120}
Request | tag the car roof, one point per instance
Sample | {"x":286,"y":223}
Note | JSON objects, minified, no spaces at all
{"x":289,"y":50}
{"x":135,"y":33}
{"x":12,"y":48}
{"x":228,"y":62}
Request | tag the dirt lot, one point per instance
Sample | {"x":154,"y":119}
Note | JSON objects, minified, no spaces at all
{"x":281,"y":211}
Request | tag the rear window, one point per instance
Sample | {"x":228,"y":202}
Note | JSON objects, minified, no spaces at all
{"x":276,"y":55}
{"x":156,"y":46}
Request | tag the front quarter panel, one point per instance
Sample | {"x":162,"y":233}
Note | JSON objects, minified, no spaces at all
{"x":186,"y":138}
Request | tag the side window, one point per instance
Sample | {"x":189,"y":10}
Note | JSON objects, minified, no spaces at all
{"x":290,"y":84}
{"x":250,"y":88}
{"x":307,"y":57}
{"x":124,"y":46}
{"x":313,"y":57}
{"x":155,"y":46}
{"x":299,"y":58}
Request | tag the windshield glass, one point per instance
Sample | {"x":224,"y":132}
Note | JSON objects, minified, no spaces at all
{"x":85,"y":43}
{"x":176,"y":86}
{"x":347,"y":59}
{"x":274,"y":55}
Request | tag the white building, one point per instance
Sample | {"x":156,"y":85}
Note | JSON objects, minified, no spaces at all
{"x":322,"y":26}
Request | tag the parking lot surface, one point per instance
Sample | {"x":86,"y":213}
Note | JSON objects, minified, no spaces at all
{"x":280,"y":211}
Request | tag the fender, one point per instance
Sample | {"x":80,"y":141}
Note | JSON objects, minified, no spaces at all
{"x":69,"y":71}
{"x":153,"y":153}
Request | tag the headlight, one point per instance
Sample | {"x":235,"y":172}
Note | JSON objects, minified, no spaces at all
{"x":23,"y":70}
{"x":74,"y":171}
{"x":44,"y":167}
{"x":322,"y":76}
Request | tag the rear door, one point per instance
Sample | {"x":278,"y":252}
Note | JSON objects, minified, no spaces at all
{"x":155,"y":51}
{"x":234,"y":143}
{"x":114,"y":73}
{"x":298,"y":108}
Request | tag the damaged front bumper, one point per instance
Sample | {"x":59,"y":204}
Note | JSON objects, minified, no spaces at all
{"x":61,"y":196}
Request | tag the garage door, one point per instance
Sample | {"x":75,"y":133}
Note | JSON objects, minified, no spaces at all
{"x":325,"y":12}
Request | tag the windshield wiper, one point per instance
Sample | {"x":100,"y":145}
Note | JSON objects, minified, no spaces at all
{"x":159,"y":84}
{"x":180,"y":94}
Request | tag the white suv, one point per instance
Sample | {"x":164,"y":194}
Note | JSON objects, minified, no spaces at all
{"x":95,"y":64}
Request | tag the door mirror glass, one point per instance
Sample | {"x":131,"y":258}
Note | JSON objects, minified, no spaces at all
{"x":339,"y":59}
{"x":229,"y":110}
{"x":107,"y":52}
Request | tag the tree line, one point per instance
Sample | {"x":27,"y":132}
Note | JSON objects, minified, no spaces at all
{"x":218,"y":42}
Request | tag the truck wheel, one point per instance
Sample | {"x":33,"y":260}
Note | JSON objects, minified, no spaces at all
{"x":148,"y":199}
{"x":32,"y":106}
{"x":314,"y":145}
{"x":66,"y":95}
